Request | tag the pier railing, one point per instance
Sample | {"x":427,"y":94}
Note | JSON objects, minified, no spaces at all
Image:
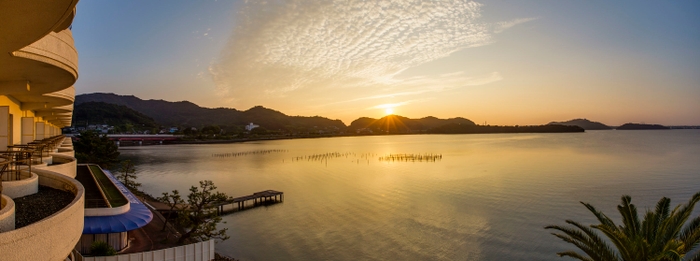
{"x":241,"y":203}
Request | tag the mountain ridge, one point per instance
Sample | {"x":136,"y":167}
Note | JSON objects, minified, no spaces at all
{"x":188,"y":114}
{"x":185,"y":113}
{"x":399,"y":124}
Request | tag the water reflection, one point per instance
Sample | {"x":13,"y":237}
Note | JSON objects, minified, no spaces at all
{"x":488,"y":198}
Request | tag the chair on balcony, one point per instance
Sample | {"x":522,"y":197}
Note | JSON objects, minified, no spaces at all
{"x":17,"y":157}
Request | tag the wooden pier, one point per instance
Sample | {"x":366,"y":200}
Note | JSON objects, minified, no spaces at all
{"x":257,"y":199}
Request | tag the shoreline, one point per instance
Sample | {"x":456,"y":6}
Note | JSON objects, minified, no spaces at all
{"x":242,"y":140}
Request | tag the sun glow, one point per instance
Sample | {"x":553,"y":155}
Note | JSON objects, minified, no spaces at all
{"x":389,"y":111}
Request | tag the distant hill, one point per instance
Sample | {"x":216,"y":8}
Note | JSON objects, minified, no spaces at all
{"x":583,"y":123}
{"x":466,"y":129}
{"x":99,"y":113}
{"x":640,"y":126}
{"x":185,"y":113}
{"x":400,"y":124}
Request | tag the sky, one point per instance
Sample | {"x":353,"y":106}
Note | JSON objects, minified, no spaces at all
{"x":493,"y":62}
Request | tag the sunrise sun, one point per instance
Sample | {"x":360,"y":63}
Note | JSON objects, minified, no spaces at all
{"x":389,"y":111}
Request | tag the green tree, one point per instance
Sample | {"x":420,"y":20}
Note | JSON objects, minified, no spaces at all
{"x":195,"y":215}
{"x":174,"y":201}
{"x":190,"y":132}
{"x":91,"y":147}
{"x":211,"y":130}
{"x":127,"y":175}
{"x":101,"y":248}
{"x":662,"y":235}
{"x":129,"y":128}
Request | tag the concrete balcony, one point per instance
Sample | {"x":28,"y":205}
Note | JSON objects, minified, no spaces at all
{"x":67,"y":95}
{"x":23,"y":184}
{"x":62,"y":163}
{"x":63,"y":109}
{"x":45,"y":66}
{"x":44,"y":104}
{"x":24,"y":22}
{"x":66,"y":151}
{"x":7,"y":214}
{"x":53,"y":237}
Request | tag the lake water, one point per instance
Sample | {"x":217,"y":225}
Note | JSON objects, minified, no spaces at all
{"x":488,"y":198}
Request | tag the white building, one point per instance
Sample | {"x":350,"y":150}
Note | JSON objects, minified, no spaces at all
{"x":251,"y":126}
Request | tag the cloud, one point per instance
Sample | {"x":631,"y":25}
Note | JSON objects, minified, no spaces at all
{"x":280,"y":49}
{"x":502,"y":26}
{"x":424,"y":85}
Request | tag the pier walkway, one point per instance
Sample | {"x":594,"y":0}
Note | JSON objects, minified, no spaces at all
{"x":257,"y":199}
{"x":261,"y":198}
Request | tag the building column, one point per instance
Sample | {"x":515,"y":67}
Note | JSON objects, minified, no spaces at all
{"x":27,"y":130}
{"x":4,"y":127}
{"x":49,"y":131}
{"x":40,"y":130}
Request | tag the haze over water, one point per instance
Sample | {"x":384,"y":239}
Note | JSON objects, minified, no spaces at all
{"x":488,"y":198}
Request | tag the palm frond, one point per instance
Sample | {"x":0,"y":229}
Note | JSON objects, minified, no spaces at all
{"x":630,"y":220}
{"x":575,"y":255}
{"x":662,"y":234}
{"x":663,"y":209}
{"x":667,"y":255}
{"x":574,"y":237}
{"x":673,"y":225}
{"x":602,"y":251}
{"x":619,"y":239}
{"x":602,"y":218}
{"x":690,"y":235}
{"x":650,"y":227}
{"x":587,"y":240}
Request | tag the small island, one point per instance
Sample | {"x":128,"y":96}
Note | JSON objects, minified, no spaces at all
{"x":641,"y":126}
{"x":583,"y":123}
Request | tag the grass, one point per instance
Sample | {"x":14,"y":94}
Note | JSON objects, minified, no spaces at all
{"x":114,"y":196}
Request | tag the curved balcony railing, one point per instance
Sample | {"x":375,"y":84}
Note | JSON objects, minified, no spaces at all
{"x":67,"y":94}
{"x":66,"y":151}
{"x":51,"y":238}
{"x":7,"y":214}
{"x":62,"y":163}
{"x":57,"y":49}
{"x":45,"y":66}
{"x":23,"y":184}
{"x":21,"y":27}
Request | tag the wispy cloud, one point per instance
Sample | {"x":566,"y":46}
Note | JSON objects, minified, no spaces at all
{"x":502,"y":26}
{"x":279,"y":48}
{"x":424,"y":85}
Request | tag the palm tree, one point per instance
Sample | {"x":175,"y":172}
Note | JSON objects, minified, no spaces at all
{"x":661,"y":236}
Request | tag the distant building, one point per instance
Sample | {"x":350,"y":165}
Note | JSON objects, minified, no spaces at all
{"x":251,"y":126}
{"x":364,"y":131}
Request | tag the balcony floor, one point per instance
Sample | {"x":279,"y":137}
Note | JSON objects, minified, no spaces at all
{"x":32,"y":208}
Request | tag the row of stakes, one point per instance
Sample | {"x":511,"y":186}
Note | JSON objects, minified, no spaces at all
{"x":245,"y":153}
{"x":412,"y":157}
{"x":427,"y":157}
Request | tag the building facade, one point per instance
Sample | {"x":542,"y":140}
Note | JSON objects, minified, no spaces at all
{"x":38,"y":67}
